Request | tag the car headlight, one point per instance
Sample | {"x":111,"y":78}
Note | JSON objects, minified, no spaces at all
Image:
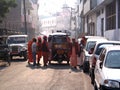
{"x":23,"y":48}
{"x":112,"y":83}
{"x":86,"y":58}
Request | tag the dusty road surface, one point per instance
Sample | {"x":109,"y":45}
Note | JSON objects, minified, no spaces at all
{"x":21,"y":76}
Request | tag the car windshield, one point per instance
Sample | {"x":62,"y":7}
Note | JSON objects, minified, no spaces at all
{"x":90,"y":45}
{"x":113,"y":59}
{"x":59,"y":39}
{"x":102,"y":45}
{"x":16,"y":40}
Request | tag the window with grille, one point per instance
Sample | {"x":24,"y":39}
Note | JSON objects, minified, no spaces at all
{"x":111,"y":16}
{"x":118,"y":13}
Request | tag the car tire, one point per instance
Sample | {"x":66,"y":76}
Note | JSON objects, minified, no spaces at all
{"x":11,"y":57}
{"x":68,"y":62}
{"x":95,"y":86}
{"x":86,"y":67}
{"x":25,"y":58}
{"x":49,"y":61}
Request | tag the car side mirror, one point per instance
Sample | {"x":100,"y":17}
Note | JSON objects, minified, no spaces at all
{"x":91,"y":51}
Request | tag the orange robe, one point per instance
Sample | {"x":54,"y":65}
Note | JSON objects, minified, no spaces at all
{"x":45,"y":52}
{"x":39,"y":51}
{"x":73,"y":58}
{"x":30,"y":58}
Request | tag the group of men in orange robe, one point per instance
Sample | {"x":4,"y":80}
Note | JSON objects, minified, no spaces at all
{"x":41,"y":50}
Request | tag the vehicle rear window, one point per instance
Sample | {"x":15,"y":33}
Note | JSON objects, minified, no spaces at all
{"x":15,"y":40}
{"x":90,"y":45}
{"x":59,"y":39}
{"x":99,"y":48}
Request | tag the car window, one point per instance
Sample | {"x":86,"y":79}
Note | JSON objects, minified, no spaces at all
{"x":59,"y":39}
{"x":90,"y":45}
{"x":113,"y":59}
{"x":15,"y":40}
{"x":102,"y":55}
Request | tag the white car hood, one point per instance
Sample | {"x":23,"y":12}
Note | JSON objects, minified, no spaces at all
{"x":110,"y":73}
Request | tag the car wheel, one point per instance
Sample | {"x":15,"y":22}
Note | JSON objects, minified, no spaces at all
{"x":95,"y":87}
{"x":11,"y":57}
{"x":25,"y":57}
{"x":9,"y":60}
{"x":49,"y":61}
{"x":67,"y":62}
{"x":85,"y":68}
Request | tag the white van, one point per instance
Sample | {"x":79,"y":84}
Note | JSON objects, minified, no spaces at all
{"x":18,"y":45}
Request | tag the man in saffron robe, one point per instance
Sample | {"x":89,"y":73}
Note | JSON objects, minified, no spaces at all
{"x":39,"y":50}
{"x":45,"y":50}
{"x":30,"y":58}
{"x":73,"y":58}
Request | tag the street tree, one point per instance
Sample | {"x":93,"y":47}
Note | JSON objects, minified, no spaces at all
{"x":5,"y":6}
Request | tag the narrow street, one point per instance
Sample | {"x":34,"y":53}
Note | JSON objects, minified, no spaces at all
{"x":21,"y":76}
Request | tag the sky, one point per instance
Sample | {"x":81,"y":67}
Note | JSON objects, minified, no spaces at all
{"x":51,"y":6}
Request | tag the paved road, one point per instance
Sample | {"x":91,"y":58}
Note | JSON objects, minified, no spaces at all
{"x":21,"y":76}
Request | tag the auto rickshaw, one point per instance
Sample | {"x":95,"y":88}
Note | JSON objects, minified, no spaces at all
{"x":59,"y":47}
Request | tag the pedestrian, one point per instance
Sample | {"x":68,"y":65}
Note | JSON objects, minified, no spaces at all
{"x":81,"y":51}
{"x":30,"y":58}
{"x":73,"y":58}
{"x":39,"y":50}
{"x":34,"y":50}
{"x":45,"y":50}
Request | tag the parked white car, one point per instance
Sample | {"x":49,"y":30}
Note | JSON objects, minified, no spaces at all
{"x":107,"y":69}
{"x":94,"y":56}
{"x":91,"y":42}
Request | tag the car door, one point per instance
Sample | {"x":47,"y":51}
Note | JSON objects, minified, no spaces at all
{"x":98,"y":69}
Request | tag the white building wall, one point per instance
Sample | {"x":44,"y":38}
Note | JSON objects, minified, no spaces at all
{"x":110,"y":34}
{"x":99,"y":17}
{"x":48,"y":24}
{"x":115,"y":33}
{"x":86,"y":7}
{"x":81,"y":7}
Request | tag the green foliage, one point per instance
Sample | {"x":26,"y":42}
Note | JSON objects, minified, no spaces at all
{"x":5,"y":6}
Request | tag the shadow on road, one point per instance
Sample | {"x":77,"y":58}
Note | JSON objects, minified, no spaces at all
{"x":4,"y":64}
{"x":52,"y":66}
{"x":55,"y":66}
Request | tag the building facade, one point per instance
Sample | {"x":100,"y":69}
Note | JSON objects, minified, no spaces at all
{"x":101,"y":17}
{"x":14,"y":23}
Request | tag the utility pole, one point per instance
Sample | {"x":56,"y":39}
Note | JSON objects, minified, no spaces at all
{"x":71,"y":11}
{"x":25,"y":21}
